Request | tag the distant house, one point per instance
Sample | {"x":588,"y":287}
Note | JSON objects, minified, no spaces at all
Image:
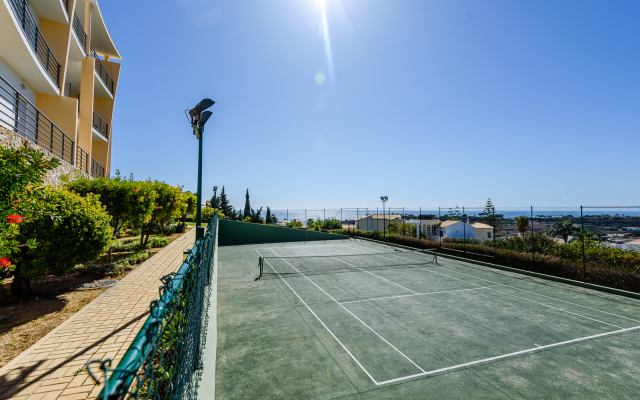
{"x":376,"y":222}
{"x":429,"y":228}
{"x":483,"y":231}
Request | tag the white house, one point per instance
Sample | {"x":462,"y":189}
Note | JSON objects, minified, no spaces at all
{"x":429,"y":228}
{"x":376,"y":222}
{"x":483,"y":231}
{"x":457,"y":229}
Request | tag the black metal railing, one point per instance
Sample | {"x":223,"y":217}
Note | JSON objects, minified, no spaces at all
{"x":22,"y":117}
{"x":78,"y":29}
{"x":66,"y":6}
{"x":70,"y":90}
{"x":100,"y":125}
{"x":102,"y":71}
{"x":97,"y":170}
{"x":36,"y":40}
{"x":82,"y":160}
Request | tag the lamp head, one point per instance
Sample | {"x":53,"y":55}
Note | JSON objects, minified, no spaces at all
{"x":196,"y":113}
{"x":215,"y":188}
{"x":204,"y":118}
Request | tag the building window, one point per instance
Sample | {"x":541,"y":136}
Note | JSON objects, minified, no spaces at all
{"x":489,"y":235}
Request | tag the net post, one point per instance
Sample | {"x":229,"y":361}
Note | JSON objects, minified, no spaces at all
{"x":435,"y":252}
{"x":261,"y":265}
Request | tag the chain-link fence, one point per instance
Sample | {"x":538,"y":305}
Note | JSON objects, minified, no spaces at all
{"x":599,"y":245}
{"x":165,"y":358}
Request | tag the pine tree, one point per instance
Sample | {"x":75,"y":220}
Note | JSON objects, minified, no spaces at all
{"x":223,"y":204}
{"x":247,"y":205}
{"x":268,"y":217}
{"x":490,"y":217}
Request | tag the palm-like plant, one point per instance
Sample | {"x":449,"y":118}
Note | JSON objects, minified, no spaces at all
{"x":563,"y":229}
{"x":522,"y":223}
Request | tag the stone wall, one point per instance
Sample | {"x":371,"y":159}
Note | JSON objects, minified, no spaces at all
{"x":9,"y":139}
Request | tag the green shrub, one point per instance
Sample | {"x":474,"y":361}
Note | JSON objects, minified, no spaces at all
{"x":159,"y":242}
{"x":125,"y":245}
{"x":75,"y":231}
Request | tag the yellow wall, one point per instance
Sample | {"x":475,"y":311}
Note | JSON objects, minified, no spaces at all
{"x":61,"y":111}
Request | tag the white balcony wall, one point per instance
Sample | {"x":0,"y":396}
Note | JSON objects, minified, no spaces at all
{"x":9,"y":75}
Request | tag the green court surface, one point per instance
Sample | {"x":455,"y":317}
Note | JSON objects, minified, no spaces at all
{"x":395,"y":324}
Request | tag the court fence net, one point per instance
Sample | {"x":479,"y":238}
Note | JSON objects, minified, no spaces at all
{"x":165,"y":358}
{"x":594,"y":244}
{"x":314,"y":264}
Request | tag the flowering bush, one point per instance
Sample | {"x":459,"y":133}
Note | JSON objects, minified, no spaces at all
{"x":22,"y":174}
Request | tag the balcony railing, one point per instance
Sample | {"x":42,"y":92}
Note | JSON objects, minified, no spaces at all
{"x":22,"y":117}
{"x":82,"y":160}
{"x":70,"y":90}
{"x":78,"y":29}
{"x":100,"y":125}
{"x":66,"y":6}
{"x":36,"y":40}
{"x":97,"y":170}
{"x":102,"y":71}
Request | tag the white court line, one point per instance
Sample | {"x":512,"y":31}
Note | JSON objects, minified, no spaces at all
{"x":527,"y":351}
{"x":323,"y":324}
{"x":352,"y":314}
{"x":409,"y":295}
{"x":508,"y":294}
{"x":371,"y":273}
{"x":528,"y":291}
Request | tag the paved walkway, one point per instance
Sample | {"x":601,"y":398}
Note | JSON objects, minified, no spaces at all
{"x":54,"y":367}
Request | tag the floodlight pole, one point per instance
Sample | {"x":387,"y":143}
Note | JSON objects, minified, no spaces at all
{"x":199,"y":231}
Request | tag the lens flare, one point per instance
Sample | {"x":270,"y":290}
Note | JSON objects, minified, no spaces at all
{"x":320,"y":77}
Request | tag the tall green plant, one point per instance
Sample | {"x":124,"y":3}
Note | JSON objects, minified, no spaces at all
{"x":522,"y":223}
{"x":78,"y":233}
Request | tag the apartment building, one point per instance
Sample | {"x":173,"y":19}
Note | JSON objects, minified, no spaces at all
{"x":58,"y":82}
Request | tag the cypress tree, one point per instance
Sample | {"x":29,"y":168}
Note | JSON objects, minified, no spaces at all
{"x":268,"y":217}
{"x":247,"y":205}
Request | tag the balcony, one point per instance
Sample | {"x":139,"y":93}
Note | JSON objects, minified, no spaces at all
{"x":71,"y":91}
{"x":97,"y":170}
{"x":102,"y":72}
{"x":35,"y":39}
{"x":22,"y":117}
{"x":79,"y":31}
{"x":82,"y":160}
{"x":100,"y":126}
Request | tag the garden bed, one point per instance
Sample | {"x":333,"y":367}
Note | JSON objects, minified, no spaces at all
{"x":24,"y":323}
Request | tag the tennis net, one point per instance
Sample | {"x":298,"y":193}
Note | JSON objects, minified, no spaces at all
{"x":274,"y":265}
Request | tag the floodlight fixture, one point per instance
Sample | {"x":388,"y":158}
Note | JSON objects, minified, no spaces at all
{"x":196,"y":112}
{"x":203,"y":120}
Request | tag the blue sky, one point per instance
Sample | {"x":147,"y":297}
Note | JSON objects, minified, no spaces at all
{"x":433,"y":103}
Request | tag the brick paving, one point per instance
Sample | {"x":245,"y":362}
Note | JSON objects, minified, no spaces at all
{"x":54,"y":367}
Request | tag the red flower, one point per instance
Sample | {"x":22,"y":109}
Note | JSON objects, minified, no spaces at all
{"x":174,"y":203}
{"x":5,"y":263}
{"x":137,"y":190}
{"x":14,"y":219}
{"x":159,"y":207}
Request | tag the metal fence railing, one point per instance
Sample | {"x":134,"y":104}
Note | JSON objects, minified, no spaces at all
{"x":22,"y":117}
{"x":82,"y":160}
{"x":97,"y":170}
{"x":36,"y":40}
{"x":164,"y":359}
{"x":599,"y":245}
{"x":102,"y":71}
{"x":100,"y":125}
{"x":78,"y":29}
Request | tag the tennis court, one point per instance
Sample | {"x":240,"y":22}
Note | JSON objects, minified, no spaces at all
{"x":355,"y":318}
